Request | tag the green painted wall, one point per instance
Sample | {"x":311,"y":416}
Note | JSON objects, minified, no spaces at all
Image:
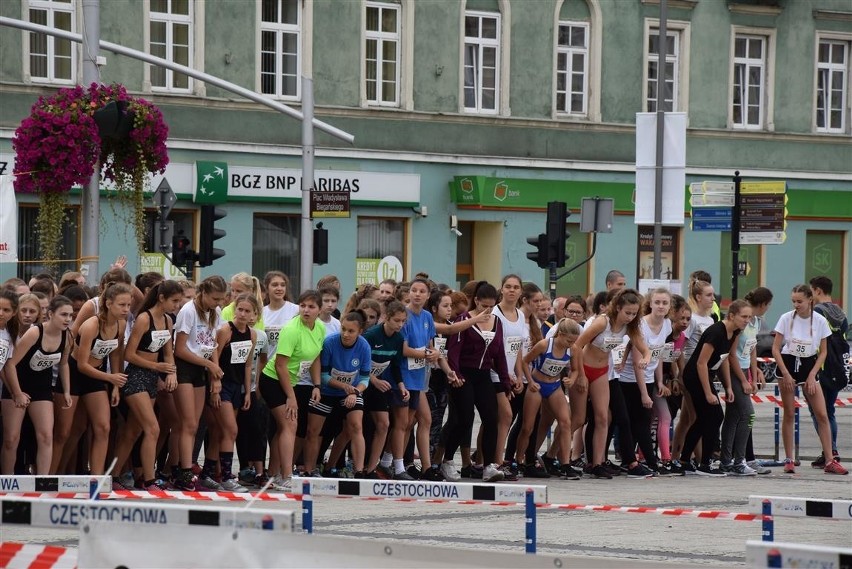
{"x":532,"y":43}
{"x":337,"y":52}
{"x":230,"y":29}
{"x":436,"y":56}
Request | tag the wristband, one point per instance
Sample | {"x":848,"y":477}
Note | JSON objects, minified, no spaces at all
{"x":316,"y":387}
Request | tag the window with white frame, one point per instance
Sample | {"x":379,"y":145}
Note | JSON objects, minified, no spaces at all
{"x":280,"y":48}
{"x":170,"y":27}
{"x":748,"y":104}
{"x":381,"y":54}
{"x":832,"y":85}
{"x":670,"y":77}
{"x":481,"y":62}
{"x":52,"y":59}
{"x":572,"y":64}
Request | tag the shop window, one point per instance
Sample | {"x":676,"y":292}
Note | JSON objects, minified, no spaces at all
{"x":381,"y":250}
{"x":276,"y":246}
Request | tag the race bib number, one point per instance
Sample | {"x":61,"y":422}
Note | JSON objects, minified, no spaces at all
{"x":487,"y":337}
{"x":513,"y":345}
{"x":722,"y":358}
{"x":610,"y":343}
{"x":441,"y":344}
{"x":159,"y":338}
{"x":41,"y":361}
{"x":377,"y":369}
{"x":346,"y":377}
{"x":240,"y":351}
{"x":800,"y":348}
{"x":103,"y":348}
{"x":4,"y":351}
{"x":416,"y":363}
{"x":657,"y":352}
{"x":272,"y":333}
{"x":305,"y":371}
{"x":748,"y":348}
{"x":553,"y":367}
{"x":206,"y":352}
{"x":618,"y":354}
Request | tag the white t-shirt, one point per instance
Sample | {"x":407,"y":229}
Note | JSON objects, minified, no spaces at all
{"x":260,"y":346}
{"x":201,"y":339}
{"x":332,"y":326}
{"x":273,"y":321}
{"x":697,"y":325}
{"x":515,"y":335}
{"x":802,"y":336}
{"x":656,"y":343}
{"x":5,"y":346}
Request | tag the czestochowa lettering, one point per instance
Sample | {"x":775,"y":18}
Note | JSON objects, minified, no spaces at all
{"x":396,"y":490}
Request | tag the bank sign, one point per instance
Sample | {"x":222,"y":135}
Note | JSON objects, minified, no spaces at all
{"x":220,"y":182}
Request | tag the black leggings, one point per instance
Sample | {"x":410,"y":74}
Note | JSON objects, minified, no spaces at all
{"x":708,"y":421}
{"x":640,"y":418}
{"x":620,"y":419}
{"x":477,"y":391}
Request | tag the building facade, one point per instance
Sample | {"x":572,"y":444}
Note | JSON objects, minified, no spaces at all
{"x":476,"y":113}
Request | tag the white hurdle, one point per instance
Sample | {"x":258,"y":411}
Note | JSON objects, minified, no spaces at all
{"x":776,"y":554}
{"x":13,"y":484}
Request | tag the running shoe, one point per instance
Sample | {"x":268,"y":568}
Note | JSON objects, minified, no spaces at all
{"x":613,"y":469}
{"x":248,"y":475}
{"x":414,"y":471}
{"x":820,"y":461}
{"x":315,"y":473}
{"x":665,"y":469}
{"x":759,"y":468}
{"x":372,"y":475}
{"x":640,"y":471}
{"x":123,"y":482}
{"x":789,"y":466}
{"x":206,"y":483}
{"x":726,"y":467}
{"x":578,"y":463}
{"x":742,"y":469}
{"x":675,"y":467}
{"x":491,"y":473}
{"x":472,"y":471}
{"x":432,"y":474}
{"x":348,"y":471}
{"x":568,"y":473}
{"x":601,"y":472}
{"x":186,"y":481}
{"x":384,"y":472}
{"x":331,"y":473}
{"x":280,"y":484}
{"x":689,"y":468}
{"x":450,"y":472}
{"x":260,"y":480}
{"x":534,"y":471}
{"x":551,"y":465}
{"x":510,"y":472}
{"x":157,"y":485}
{"x":834,"y":467}
{"x":403,"y":476}
{"x":708,"y":470}
{"x":231,"y":485}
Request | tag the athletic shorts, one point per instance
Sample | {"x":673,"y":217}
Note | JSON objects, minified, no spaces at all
{"x":548,"y":389}
{"x":270,"y":390}
{"x":375,"y":400}
{"x":232,"y":392}
{"x":84,"y":383}
{"x":799,"y":368}
{"x":38,"y":391}
{"x":593,"y":373}
{"x":329,"y":404}
{"x":190,"y":373}
{"x":140,"y":380}
{"x":396,"y":400}
{"x":303,"y":398}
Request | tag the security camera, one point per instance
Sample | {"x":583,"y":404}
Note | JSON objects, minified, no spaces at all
{"x":422,"y":211}
{"x":456,"y":231}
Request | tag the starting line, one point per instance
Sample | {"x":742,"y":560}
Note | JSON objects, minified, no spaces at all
{"x":34,"y":556}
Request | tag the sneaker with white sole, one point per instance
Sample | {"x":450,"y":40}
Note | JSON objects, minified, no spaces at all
{"x":231,"y":485}
{"x":741,"y":469}
{"x":206,"y":483}
{"x":492,"y":473}
{"x":280,"y":484}
{"x":450,"y":472}
{"x":708,"y":470}
{"x":759,"y":468}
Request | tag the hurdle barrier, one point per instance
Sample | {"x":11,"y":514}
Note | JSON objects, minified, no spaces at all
{"x":777,"y":554}
{"x":16,"y":484}
{"x":790,"y":507}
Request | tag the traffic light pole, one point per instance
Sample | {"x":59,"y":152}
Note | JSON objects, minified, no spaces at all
{"x":306,"y":253}
{"x":735,"y":237}
{"x":91,"y":199}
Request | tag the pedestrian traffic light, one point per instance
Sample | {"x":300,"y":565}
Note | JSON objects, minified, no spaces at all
{"x":539,"y":256}
{"x":320,"y":245}
{"x":557,"y":214}
{"x":210,"y":214}
{"x":180,"y":250}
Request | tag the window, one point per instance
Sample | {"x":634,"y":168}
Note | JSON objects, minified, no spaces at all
{"x":832,"y":81}
{"x":481,"y":62}
{"x":670,"y":77}
{"x":748,"y":97}
{"x":382,"y":54}
{"x":52,"y":59}
{"x":171,"y":39}
{"x":572,"y":63}
{"x":275,"y":247}
{"x":381,"y":250}
{"x":280,"y":53}
{"x":28,"y":251}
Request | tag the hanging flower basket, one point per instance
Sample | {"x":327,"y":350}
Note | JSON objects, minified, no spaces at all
{"x":58,"y":145}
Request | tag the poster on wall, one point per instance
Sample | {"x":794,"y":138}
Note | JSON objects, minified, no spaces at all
{"x":8,"y":221}
{"x":670,"y":271}
{"x":376,"y":270}
{"x":158,"y":262}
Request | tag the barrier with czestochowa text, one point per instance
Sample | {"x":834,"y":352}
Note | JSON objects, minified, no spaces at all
{"x":420,"y":490}
{"x":12,"y":484}
{"x":58,"y":513}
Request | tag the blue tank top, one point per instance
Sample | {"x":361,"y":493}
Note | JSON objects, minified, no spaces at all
{"x":550,"y":365}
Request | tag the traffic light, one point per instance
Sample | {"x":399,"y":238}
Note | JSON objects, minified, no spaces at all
{"x":557,"y":214}
{"x":210,"y":214}
{"x":539,"y":256}
{"x":181,"y":252}
{"x":320,"y":245}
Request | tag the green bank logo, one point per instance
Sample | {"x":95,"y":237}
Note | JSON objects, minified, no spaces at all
{"x":211,"y":182}
{"x":501,"y":190}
